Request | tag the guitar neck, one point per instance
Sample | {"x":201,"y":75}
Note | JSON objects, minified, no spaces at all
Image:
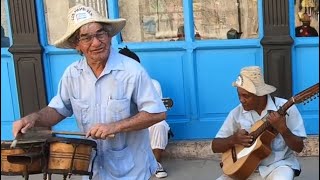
{"x":262,"y":128}
{"x":303,"y":96}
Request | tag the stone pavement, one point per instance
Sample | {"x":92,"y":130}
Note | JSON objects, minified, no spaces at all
{"x":199,"y":169}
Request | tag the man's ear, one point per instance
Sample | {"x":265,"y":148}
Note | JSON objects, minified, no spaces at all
{"x":76,"y":47}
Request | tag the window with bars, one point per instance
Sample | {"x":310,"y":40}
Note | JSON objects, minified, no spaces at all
{"x":163,"y":20}
{"x":5,"y":41}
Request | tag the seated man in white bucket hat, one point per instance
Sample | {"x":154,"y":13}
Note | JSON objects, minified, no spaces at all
{"x":109,"y":94}
{"x":285,"y":133}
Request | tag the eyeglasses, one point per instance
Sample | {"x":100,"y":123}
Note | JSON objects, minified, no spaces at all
{"x":101,"y":36}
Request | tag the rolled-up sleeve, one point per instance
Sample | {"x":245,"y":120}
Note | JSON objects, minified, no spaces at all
{"x":146,"y":96}
{"x":61,"y":101}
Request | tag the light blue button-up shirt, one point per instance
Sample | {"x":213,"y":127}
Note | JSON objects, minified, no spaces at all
{"x":281,"y":154}
{"x":123,"y":89}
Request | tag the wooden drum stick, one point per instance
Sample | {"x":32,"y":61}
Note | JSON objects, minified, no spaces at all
{"x":15,"y":141}
{"x":75,"y":133}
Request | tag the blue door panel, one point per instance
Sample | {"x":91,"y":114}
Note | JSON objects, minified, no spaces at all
{"x":194,"y":129}
{"x":68,"y":124}
{"x":168,"y":69}
{"x":9,"y":98}
{"x":216,"y":70}
{"x":306,"y":74}
{"x":56,"y":65}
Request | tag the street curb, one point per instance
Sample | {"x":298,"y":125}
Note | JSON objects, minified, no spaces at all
{"x":201,"y":149}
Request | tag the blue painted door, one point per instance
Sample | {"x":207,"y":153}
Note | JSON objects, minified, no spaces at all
{"x":9,"y":96}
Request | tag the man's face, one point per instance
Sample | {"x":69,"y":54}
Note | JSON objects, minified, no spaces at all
{"x":306,"y":23}
{"x":94,"y":42}
{"x":247,"y":99}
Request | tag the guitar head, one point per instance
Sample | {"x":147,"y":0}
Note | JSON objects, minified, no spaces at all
{"x":168,"y":102}
{"x":304,"y":96}
{"x":307,"y":94}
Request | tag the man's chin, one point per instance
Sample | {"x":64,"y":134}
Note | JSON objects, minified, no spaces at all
{"x":99,"y":55}
{"x":246,"y":108}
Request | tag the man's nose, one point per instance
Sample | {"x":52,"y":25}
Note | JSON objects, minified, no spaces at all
{"x":242,"y":100}
{"x":95,"y":41}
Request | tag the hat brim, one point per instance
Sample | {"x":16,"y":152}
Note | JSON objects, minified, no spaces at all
{"x":116,"y":26}
{"x":266,"y":89}
{"x":246,"y":84}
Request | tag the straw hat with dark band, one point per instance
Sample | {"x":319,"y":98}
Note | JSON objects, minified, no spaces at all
{"x":80,"y":15}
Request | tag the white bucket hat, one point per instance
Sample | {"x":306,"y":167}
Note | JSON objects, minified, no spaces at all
{"x":251,"y":80}
{"x":80,"y":15}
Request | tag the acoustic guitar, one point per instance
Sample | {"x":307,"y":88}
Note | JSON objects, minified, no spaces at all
{"x":239,"y":162}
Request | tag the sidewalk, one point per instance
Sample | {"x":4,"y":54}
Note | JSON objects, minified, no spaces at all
{"x":199,"y":169}
{"x":181,"y":169}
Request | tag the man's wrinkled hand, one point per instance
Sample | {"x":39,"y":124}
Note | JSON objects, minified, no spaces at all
{"x":277,"y":121}
{"x":101,"y":131}
{"x":242,"y":137}
{"x":23,"y":124}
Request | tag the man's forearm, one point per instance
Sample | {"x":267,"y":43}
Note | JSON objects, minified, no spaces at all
{"x":46,"y":117}
{"x":293,"y":142}
{"x":221,"y":145}
{"x":140,"y":121}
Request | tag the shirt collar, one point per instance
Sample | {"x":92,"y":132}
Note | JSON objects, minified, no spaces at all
{"x":270,"y":104}
{"x":115,"y":62}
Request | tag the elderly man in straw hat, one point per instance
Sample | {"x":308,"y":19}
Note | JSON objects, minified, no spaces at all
{"x":255,"y":103}
{"x":109,"y":94}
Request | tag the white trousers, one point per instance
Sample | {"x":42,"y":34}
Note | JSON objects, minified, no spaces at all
{"x":280,"y":173}
{"x":159,"y":135}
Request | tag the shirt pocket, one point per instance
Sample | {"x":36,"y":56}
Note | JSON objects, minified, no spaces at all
{"x":119,"y":163}
{"x":80,"y":110}
{"x":118,"y":109}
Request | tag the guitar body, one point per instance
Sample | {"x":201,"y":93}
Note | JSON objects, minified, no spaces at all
{"x":243,"y":167}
